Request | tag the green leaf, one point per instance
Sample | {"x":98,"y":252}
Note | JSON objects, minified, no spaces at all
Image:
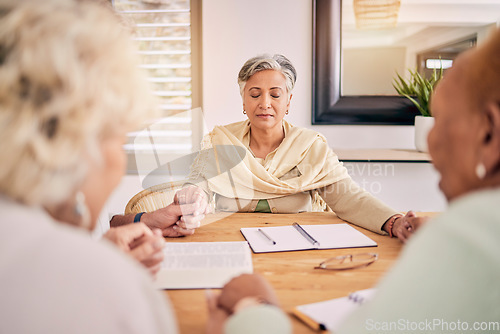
{"x":417,"y":88}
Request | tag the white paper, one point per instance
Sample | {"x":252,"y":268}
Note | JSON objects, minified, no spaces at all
{"x":287,"y":238}
{"x":199,"y":265}
{"x":331,"y":313}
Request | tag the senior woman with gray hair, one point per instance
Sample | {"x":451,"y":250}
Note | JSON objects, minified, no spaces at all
{"x":447,"y":279}
{"x":70,"y":90}
{"x":284,"y":169}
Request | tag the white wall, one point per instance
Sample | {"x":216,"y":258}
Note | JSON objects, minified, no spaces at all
{"x":402,"y":186}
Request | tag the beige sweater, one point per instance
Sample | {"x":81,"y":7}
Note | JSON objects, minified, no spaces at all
{"x":349,"y":201}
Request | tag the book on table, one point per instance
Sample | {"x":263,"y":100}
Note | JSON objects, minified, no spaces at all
{"x":303,"y":237}
{"x":200,"y":265}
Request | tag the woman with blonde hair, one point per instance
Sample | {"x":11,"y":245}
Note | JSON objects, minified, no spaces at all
{"x":70,"y":90}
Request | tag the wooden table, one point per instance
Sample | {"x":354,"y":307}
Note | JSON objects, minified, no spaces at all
{"x":290,"y":273}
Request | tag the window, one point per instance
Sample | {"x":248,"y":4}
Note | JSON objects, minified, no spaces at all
{"x":438,"y":63}
{"x":167,"y":33}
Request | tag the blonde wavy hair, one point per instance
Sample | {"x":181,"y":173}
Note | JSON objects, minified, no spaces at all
{"x":69,"y":78}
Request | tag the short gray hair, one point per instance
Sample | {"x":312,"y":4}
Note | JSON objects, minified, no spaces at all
{"x":264,"y":62}
{"x":69,"y":80}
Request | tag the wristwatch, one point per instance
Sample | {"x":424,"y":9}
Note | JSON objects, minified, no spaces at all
{"x":138,"y":216}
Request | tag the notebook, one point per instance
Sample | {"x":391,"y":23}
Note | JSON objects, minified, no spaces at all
{"x":329,"y":314}
{"x":302,"y":237}
{"x":200,"y":265}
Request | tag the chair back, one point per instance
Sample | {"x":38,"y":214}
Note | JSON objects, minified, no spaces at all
{"x":153,"y":198}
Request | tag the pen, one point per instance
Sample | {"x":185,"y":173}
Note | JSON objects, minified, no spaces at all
{"x":305,"y":234}
{"x":264,"y":234}
{"x":308,"y":321}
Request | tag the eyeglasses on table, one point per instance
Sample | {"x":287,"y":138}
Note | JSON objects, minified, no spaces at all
{"x":350,"y":261}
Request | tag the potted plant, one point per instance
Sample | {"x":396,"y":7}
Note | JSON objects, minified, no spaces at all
{"x":418,"y":90}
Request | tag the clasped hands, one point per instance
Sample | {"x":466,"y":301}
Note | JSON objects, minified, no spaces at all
{"x":144,"y":241}
{"x":181,"y":217}
{"x":406,"y":225}
{"x":243,"y":291}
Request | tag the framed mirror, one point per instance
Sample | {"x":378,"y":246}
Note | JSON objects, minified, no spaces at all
{"x":344,"y":92}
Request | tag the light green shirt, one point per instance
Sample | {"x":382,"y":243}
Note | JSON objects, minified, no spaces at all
{"x":260,"y":319}
{"x":263,"y":206}
{"x":447,"y":279}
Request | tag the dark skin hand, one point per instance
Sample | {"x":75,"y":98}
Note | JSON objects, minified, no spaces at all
{"x":221,"y":306}
{"x":174,"y":220}
{"x":246,"y":285}
{"x":405,"y":226}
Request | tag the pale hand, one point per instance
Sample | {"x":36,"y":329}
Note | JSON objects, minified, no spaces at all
{"x":140,"y":242}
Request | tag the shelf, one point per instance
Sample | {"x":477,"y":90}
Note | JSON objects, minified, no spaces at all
{"x":382,"y":155}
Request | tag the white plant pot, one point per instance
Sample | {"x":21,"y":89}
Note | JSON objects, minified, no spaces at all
{"x":422,"y":127}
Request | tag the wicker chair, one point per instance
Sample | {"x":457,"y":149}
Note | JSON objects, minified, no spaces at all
{"x":160,"y":196}
{"x":153,"y":198}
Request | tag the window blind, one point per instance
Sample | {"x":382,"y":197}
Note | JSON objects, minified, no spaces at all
{"x":164,"y":32}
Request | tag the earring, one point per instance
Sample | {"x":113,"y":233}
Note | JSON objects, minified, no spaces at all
{"x":480,"y":171}
{"x":244,"y":112}
{"x":286,"y":112}
{"x":81,"y":210}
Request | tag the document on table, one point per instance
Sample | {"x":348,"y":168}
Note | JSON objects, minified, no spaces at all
{"x":199,"y":265}
{"x":292,"y":238}
{"x":330,"y":314}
